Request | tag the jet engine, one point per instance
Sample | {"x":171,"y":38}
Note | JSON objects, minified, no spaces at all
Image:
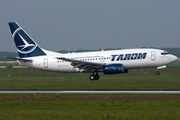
{"x":114,"y":69}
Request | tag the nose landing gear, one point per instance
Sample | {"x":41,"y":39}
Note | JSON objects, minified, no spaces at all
{"x":160,"y":67}
{"x":157,"y":72}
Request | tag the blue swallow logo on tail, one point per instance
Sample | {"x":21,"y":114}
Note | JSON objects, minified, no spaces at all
{"x":26,"y":46}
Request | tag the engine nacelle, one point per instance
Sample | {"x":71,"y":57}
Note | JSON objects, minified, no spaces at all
{"x":114,"y":69}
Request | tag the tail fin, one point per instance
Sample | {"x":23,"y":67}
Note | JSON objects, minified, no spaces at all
{"x":26,"y":46}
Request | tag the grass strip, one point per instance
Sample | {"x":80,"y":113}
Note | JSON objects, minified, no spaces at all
{"x":141,"y":79}
{"x":90,"y":106}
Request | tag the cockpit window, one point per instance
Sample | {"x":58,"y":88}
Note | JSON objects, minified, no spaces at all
{"x":164,"y":53}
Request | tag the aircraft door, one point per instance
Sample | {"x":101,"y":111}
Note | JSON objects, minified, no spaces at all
{"x":153,"y":55}
{"x":102,"y":59}
{"x":45,"y":63}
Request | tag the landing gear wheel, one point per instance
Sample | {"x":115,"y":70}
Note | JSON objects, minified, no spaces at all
{"x":92,"y":77}
{"x":157,"y":73}
{"x":96,"y":77}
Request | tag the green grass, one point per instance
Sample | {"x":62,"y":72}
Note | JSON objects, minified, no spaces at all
{"x":140,"y":79}
{"x":97,"y":110}
{"x":90,"y":106}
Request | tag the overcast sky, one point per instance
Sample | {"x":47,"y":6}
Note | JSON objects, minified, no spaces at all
{"x":92,"y":24}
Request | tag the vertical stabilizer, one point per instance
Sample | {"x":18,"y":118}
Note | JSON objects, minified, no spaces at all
{"x":26,"y":46}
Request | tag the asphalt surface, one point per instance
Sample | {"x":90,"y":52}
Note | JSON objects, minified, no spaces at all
{"x":89,"y":91}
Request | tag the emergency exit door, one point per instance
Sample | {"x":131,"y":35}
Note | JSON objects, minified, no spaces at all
{"x":45,"y":63}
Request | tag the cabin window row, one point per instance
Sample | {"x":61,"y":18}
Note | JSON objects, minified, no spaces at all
{"x":90,"y":59}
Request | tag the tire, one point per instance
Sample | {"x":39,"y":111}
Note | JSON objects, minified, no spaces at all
{"x":96,"y":77}
{"x":157,"y":73}
{"x":92,"y":77}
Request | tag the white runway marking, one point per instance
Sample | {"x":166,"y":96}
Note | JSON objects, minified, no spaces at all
{"x":89,"y":91}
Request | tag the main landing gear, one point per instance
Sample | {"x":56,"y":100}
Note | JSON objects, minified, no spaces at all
{"x":94,"y":77}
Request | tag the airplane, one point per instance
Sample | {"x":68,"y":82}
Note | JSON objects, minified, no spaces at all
{"x":108,"y":62}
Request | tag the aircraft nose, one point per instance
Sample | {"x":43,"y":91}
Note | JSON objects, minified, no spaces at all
{"x":173,"y":58}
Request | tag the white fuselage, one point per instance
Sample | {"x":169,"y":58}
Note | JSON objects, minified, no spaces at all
{"x":108,"y":62}
{"x":130,"y":58}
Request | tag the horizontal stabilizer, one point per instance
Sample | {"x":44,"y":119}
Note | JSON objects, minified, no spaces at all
{"x":25,"y":60}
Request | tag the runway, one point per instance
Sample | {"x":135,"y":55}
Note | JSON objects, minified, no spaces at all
{"x":90,"y":91}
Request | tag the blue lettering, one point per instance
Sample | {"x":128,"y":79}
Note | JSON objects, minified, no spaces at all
{"x":142,"y":56}
{"x":113,"y":57}
{"x":134,"y":56}
{"x":120,"y":57}
{"x":127,"y":57}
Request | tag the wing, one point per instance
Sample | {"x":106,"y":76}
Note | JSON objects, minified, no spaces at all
{"x":83,"y":64}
